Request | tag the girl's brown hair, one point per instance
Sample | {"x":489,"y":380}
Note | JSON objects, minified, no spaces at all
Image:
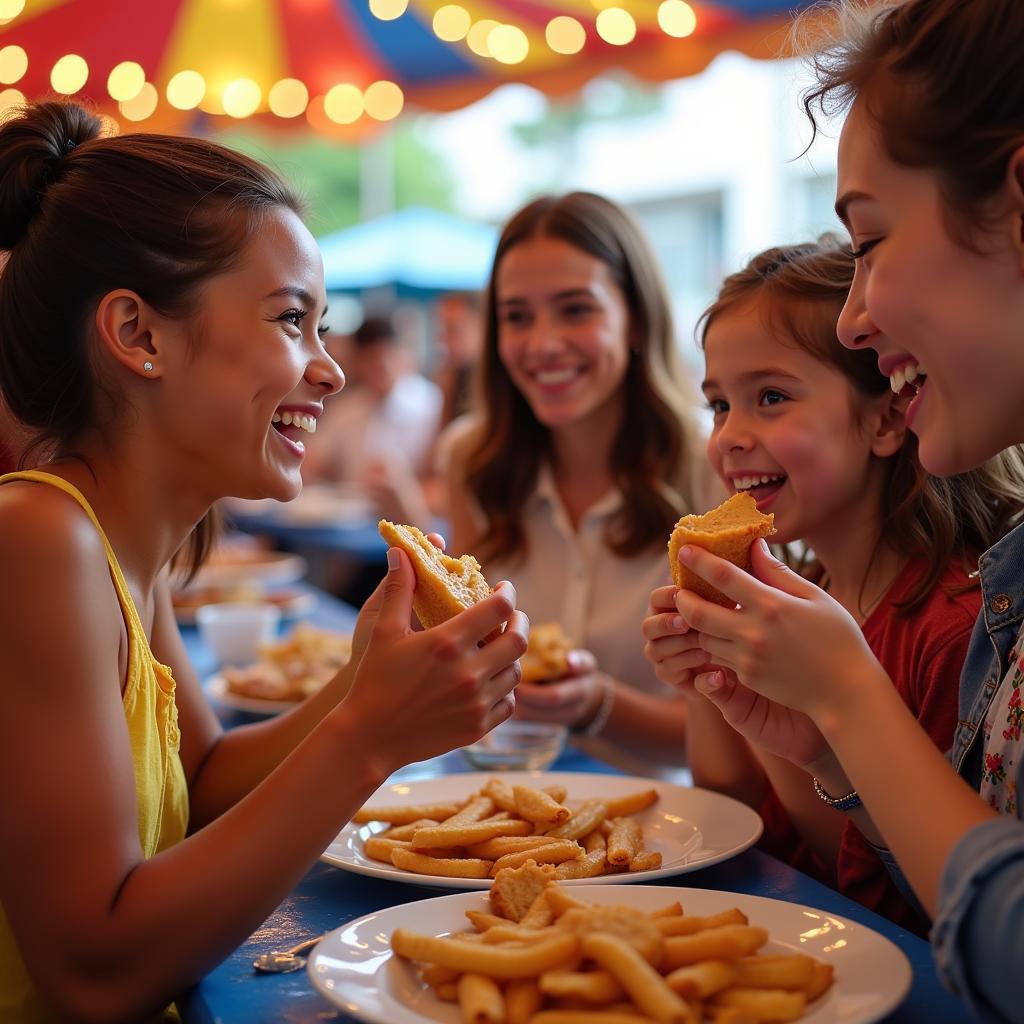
{"x":939,"y":78}
{"x":82,"y":215}
{"x":800,"y":291}
{"x":648,"y":456}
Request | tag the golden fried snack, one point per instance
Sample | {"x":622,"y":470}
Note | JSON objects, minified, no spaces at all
{"x":726,"y":531}
{"x":547,"y":653}
{"x":445,"y":585}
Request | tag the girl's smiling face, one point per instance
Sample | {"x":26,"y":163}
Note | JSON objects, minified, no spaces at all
{"x":924,"y":301}
{"x":791,"y":430}
{"x":563,"y":331}
{"x":244,"y":392}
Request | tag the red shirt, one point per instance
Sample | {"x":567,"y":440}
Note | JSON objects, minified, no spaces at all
{"x":922,"y":653}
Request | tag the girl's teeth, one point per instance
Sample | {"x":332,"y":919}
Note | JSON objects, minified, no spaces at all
{"x":306,"y":423}
{"x":550,"y":377}
{"x":744,"y":483}
{"x":904,"y":375}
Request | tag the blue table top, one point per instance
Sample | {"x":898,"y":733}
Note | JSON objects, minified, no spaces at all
{"x":233,"y":993}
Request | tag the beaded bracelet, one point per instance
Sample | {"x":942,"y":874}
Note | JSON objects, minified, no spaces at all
{"x":840,"y":803}
{"x":604,"y":710}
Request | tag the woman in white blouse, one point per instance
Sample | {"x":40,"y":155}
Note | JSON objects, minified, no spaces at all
{"x":584,"y":453}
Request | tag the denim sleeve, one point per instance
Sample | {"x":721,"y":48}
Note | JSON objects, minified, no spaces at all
{"x":978,"y":938}
{"x":899,"y":879}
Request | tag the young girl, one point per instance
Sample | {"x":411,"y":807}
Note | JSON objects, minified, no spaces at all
{"x":160,"y":319}
{"x":582,"y":458}
{"x":815,"y":434}
{"x":931,"y":188}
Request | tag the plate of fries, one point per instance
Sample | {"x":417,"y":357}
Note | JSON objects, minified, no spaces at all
{"x":458,"y":831}
{"x":607,"y":953}
{"x":290,"y":670}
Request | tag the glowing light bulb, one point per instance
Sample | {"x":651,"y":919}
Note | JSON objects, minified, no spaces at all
{"x":384,"y":100}
{"x":676,"y":18}
{"x":616,"y":26}
{"x":125,"y":82}
{"x":565,"y":34}
{"x":69,"y":74}
{"x":288,"y":98}
{"x":13,"y":64}
{"x":186,"y":89}
{"x":241,"y":98}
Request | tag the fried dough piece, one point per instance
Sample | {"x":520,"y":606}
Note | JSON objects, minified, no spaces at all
{"x":546,"y":656}
{"x":726,"y":531}
{"x":515,"y":889}
{"x":445,"y":585}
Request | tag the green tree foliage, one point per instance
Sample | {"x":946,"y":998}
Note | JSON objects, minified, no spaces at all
{"x":327,"y":173}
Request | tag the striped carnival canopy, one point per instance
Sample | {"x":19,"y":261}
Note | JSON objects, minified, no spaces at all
{"x":344,"y":65}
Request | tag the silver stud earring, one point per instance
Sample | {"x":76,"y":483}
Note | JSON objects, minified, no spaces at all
{"x":147,"y":366}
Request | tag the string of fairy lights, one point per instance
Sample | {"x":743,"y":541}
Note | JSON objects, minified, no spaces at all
{"x":137,"y":97}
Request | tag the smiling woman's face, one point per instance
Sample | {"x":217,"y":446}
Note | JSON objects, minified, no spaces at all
{"x":924,"y":301}
{"x":563,"y":331}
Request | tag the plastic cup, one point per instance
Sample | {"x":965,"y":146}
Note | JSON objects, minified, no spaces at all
{"x":235,"y":632}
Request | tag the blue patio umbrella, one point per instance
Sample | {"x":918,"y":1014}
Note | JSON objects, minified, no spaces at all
{"x":413,"y":250}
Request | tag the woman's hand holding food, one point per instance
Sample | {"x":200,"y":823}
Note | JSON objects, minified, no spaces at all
{"x":572,"y":700}
{"x":422,"y":693}
{"x":788,"y":641}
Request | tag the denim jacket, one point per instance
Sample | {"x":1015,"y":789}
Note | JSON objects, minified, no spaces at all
{"x":978,"y":936}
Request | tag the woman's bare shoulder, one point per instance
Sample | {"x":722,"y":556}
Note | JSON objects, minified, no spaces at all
{"x":44,"y":529}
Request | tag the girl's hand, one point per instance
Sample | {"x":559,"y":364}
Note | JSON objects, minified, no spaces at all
{"x":572,"y":700}
{"x":772,"y":727}
{"x":672,"y":648}
{"x":419,"y":694}
{"x":788,"y":640}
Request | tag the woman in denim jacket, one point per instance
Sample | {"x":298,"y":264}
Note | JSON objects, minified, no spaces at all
{"x":931,"y":189}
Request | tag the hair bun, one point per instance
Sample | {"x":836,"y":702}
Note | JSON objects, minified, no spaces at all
{"x":33,"y":147}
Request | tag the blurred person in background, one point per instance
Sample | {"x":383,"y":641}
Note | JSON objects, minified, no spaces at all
{"x":458,"y":319}
{"x":582,"y":457}
{"x":380,"y":434}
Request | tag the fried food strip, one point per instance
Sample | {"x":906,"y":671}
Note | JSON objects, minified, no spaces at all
{"x":559,"y":899}
{"x":630,"y":803}
{"x":406,"y":832}
{"x":498,"y":962}
{"x":672,"y":910}
{"x":379,"y":848}
{"x":645,"y":860}
{"x":406,"y":815}
{"x":690,"y":924}
{"x":595,"y":841}
{"x":467,"y":835}
{"x":597,"y":987}
{"x":788,"y":972}
{"x":480,"y":1000}
{"x":588,"y":866}
{"x":501,"y":793}
{"x":584,"y":821}
{"x":764,"y":1003}
{"x":538,"y":806}
{"x":698,"y":981}
{"x":481,"y":920}
{"x":646,"y":987}
{"x":551,"y":853}
{"x":624,"y":841}
{"x":729,"y":942}
{"x":522,"y":1000}
{"x":477,"y":809}
{"x":447,"y":867}
{"x":495,"y":848}
{"x":820,"y":981}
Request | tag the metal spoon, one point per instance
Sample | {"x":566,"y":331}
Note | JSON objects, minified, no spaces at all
{"x":286,"y":960}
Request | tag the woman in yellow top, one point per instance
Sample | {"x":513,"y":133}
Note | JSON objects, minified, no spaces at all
{"x":160,"y":320}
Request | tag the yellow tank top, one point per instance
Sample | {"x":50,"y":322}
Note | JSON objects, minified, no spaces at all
{"x":151,"y":718}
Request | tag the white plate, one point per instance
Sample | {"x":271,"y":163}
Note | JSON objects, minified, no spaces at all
{"x":353,"y":967}
{"x":256,"y":567}
{"x":292,"y":604}
{"x":690,"y":828}
{"x":217,"y":689}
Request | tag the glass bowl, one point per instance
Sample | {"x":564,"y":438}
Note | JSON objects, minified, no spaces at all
{"x":517,"y":746}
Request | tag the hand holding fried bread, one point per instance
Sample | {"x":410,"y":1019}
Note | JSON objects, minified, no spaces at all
{"x":571,"y":700}
{"x":728,"y":531}
{"x":423,"y":693}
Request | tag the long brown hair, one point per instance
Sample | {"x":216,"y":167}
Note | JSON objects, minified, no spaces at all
{"x":800,"y":291}
{"x":649,"y":453}
{"x":941,"y":81}
{"x":81,"y":215}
